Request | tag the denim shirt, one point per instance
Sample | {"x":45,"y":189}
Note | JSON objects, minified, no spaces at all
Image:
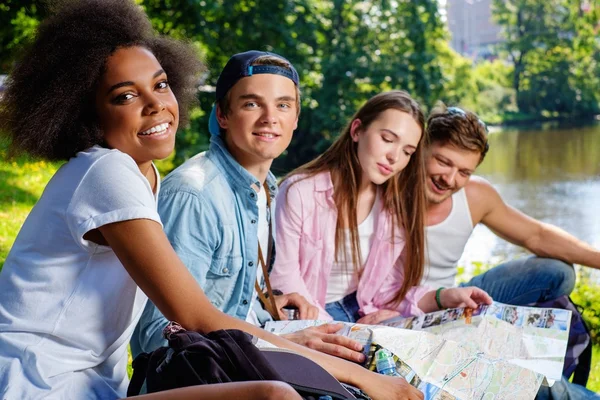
{"x":209,"y":211}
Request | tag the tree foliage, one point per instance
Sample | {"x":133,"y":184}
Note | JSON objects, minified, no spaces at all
{"x":18,"y":21}
{"x":345,"y":51}
{"x":555,"y":52}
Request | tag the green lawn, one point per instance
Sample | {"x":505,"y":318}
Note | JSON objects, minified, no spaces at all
{"x":22,"y":182}
{"x":594,"y":381}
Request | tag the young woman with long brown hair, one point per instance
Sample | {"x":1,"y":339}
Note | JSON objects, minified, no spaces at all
{"x":350,"y":224}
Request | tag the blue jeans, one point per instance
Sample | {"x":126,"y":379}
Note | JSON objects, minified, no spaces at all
{"x":520,"y":282}
{"x":526,"y":280}
{"x":565,"y":390}
{"x":345,"y":310}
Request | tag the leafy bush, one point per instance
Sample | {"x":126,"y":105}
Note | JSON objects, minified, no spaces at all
{"x":587,"y":296}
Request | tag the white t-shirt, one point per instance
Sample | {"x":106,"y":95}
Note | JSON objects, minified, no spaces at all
{"x":263,"y":240}
{"x":67,"y":306}
{"x":343,"y":278}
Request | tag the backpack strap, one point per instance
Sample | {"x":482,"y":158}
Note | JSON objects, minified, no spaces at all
{"x":140,"y":369}
{"x":582,"y":371}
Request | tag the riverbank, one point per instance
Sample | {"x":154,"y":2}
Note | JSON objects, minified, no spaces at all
{"x":518,"y":119}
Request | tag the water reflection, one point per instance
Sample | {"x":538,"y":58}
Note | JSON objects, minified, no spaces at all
{"x":551,"y":174}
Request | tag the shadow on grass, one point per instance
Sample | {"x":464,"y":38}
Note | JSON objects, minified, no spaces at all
{"x":10,"y":194}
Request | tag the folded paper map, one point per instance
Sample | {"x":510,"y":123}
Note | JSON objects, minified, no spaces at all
{"x":493,"y":352}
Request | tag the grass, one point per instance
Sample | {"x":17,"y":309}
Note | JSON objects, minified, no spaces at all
{"x":594,"y":381}
{"x":22,"y":182}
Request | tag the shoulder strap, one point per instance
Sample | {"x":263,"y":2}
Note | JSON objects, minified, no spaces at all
{"x":581,"y":373}
{"x":582,"y":370}
{"x":140,"y":369}
{"x":269,"y":303}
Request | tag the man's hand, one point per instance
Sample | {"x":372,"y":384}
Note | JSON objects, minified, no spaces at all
{"x":383,"y":387}
{"x":305,"y":309}
{"x":464,"y":297}
{"x":323,"y":338}
{"x":377,"y":317}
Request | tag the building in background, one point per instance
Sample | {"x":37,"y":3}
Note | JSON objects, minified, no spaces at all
{"x":473,"y":32}
{"x":2,"y":84}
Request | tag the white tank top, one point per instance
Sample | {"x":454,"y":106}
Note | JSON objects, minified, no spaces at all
{"x":445,"y":243}
{"x":343,"y":279}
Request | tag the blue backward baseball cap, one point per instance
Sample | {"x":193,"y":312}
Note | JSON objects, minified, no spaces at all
{"x":238,"y":67}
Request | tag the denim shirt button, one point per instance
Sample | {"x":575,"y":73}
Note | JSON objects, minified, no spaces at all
{"x":253,"y":221}
{"x":225,"y":270}
{"x":252,"y":195}
{"x":251,"y":263}
{"x":245,"y":302}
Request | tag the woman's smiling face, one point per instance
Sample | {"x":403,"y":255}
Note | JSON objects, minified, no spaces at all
{"x":137,"y":111}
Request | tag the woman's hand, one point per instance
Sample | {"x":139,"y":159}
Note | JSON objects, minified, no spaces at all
{"x":470,"y":296}
{"x":454,"y":297}
{"x":383,"y":387}
{"x":377,"y":317}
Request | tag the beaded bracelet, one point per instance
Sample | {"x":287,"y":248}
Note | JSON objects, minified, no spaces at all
{"x":437,"y":298}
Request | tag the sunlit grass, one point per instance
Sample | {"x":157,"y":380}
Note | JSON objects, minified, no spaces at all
{"x":594,"y":381}
{"x":22,"y":182}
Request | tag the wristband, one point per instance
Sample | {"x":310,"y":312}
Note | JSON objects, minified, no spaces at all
{"x":437,"y":298}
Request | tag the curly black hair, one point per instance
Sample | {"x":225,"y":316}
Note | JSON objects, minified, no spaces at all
{"x":48,"y":109}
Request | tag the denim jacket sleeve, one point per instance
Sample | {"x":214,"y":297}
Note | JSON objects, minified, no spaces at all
{"x":191,"y":229}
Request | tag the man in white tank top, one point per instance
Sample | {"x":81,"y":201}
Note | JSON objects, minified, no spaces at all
{"x":457,"y":201}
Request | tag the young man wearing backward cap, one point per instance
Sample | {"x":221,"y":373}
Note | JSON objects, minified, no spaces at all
{"x":216,"y":208}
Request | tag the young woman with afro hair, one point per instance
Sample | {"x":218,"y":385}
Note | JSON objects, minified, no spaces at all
{"x":100,"y":89}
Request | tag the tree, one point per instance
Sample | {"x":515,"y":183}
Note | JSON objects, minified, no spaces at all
{"x":551,"y":44}
{"x":18,"y":21}
{"x":221,"y":28}
{"x":345,"y":51}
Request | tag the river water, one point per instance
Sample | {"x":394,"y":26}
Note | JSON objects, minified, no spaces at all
{"x":551,"y":173}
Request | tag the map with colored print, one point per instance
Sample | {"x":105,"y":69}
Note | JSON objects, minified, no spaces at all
{"x":495,"y":352}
